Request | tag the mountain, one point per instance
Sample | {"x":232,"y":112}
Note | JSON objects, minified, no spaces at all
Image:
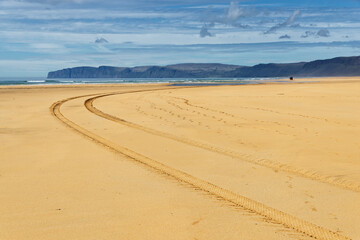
{"x":340,"y":66}
{"x":171,"y":71}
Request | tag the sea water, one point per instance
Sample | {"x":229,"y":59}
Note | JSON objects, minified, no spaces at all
{"x":173,"y":81}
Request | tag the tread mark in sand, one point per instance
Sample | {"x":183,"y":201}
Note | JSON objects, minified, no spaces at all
{"x":341,"y":183}
{"x":277,"y":216}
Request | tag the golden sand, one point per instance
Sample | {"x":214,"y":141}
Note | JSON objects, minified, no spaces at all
{"x":271,"y":161}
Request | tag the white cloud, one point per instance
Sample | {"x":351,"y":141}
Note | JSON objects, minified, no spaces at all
{"x":231,"y":18}
{"x":286,"y":23}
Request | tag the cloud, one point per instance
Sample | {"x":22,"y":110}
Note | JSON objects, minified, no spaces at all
{"x":101,"y":40}
{"x":321,"y":33}
{"x":204,"y":32}
{"x":308,"y":34}
{"x":242,"y":54}
{"x":53,"y":2}
{"x":284,"y":37}
{"x":234,"y":13}
{"x":297,"y":25}
{"x":288,"y":22}
{"x":230,"y":17}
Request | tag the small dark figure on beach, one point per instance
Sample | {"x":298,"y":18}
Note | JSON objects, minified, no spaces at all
{"x":291,"y":78}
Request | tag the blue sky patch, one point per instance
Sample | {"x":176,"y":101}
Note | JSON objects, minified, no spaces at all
{"x":38,"y":36}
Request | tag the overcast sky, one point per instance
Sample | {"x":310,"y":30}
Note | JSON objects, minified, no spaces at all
{"x":37,"y":36}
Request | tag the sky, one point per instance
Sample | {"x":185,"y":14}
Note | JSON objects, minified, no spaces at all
{"x":38,"y":36}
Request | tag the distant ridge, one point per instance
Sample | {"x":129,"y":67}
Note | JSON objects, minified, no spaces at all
{"x":340,"y":66}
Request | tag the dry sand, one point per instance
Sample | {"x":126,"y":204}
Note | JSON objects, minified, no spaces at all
{"x":273,"y":161}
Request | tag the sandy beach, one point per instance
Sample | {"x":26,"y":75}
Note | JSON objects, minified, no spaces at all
{"x":151,"y":161}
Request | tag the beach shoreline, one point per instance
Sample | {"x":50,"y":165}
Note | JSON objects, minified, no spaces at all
{"x":228,"y":82}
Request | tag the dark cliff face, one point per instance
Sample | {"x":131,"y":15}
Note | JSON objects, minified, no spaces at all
{"x":268,"y":70}
{"x":171,"y":71}
{"x":341,"y":66}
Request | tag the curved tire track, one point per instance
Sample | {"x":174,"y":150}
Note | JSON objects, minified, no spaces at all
{"x":277,"y":216}
{"x":341,"y":183}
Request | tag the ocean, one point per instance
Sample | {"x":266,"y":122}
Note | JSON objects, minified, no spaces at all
{"x":173,"y":81}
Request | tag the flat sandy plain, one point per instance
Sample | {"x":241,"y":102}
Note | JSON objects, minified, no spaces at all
{"x":271,"y":161}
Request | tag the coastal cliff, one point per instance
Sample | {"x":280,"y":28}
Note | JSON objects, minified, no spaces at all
{"x":340,"y":66}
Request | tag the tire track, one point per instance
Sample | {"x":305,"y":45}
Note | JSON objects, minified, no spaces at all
{"x":272,"y":214}
{"x":276,"y":166}
{"x":187,"y":102}
{"x":223,"y":121}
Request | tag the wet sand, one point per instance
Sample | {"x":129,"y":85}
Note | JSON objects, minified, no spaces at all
{"x":269,"y":161}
